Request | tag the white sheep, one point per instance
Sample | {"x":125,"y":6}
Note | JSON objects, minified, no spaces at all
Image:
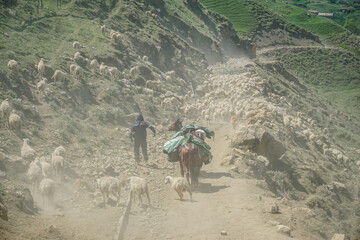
{"x":41,"y":87}
{"x":5,"y":112}
{"x":76,"y":44}
{"x":171,"y":73}
{"x":78,"y":72}
{"x":72,"y":68}
{"x":138,"y":186}
{"x":47,"y":189}
{"x":59,"y":151}
{"x":109,"y":185}
{"x":34,"y":174}
{"x":78,"y":57}
{"x":114,"y":72}
{"x":14,"y":67}
{"x":115,"y":36}
{"x":168,"y":78}
{"x":59,"y":76}
{"x":94,"y":65}
{"x":47,"y":168}
{"x":180,"y":185}
{"x":170,"y":103}
{"x":102,"y":28}
{"x":87,"y":62}
{"x":15,"y":122}
{"x":41,"y":68}
{"x":27,"y":152}
{"x":112,"y":32}
{"x":145,"y":58}
{"x":134,"y":71}
{"x":103,"y":68}
{"x":58,"y":163}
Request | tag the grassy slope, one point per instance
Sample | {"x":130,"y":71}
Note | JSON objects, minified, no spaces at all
{"x":51,"y":36}
{"x":49,"y":33}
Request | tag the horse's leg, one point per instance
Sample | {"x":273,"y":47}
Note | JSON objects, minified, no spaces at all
{"x":194,"y":168}
{"x":182,"y":169}
{"x":188,"y":177}
{"x":181,"y":161}
{"x":187,"y":164}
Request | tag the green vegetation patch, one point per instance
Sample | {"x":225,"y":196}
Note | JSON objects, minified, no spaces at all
{"x":334,"y":73}
{"x":317,"y":25}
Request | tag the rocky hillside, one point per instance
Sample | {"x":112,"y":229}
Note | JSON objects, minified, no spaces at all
{"x":290,"y":139}
{"x":170,"y":59}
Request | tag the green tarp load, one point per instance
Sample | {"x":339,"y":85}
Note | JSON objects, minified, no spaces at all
{"x":192,"y":127}
{"x":172,"y":147}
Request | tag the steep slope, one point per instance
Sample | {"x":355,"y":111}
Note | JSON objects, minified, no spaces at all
{"x":163,"y":55}
{"x":291,"y":139}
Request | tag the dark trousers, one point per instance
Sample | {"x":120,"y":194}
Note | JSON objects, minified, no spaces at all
{"x":137,"y":143}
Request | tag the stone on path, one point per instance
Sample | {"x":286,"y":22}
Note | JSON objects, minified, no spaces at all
{"x":338,"y":236}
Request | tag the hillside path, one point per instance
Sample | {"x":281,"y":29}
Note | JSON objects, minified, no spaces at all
{"x":220,"y":203}
{"x":269,"y":49}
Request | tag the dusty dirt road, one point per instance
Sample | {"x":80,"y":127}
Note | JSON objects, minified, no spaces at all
{"x":220,"y":203}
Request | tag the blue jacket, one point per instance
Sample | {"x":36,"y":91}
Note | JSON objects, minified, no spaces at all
{"x":138,"y":129}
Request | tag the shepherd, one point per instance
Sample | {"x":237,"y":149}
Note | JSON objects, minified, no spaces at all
{"x":138,"y":133}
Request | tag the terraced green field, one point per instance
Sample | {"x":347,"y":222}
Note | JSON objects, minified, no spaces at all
{"x":237,"y":11}
{"x":240,"y":14}
{"x":323,"y":27}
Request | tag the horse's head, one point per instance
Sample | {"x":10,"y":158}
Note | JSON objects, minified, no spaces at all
{"x":176,"y":126}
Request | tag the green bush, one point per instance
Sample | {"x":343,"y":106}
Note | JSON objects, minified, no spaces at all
{"x":351,"y":26}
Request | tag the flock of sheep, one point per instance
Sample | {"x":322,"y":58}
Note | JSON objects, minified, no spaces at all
{"x":41,"y":174}
{"x":43,"y":171}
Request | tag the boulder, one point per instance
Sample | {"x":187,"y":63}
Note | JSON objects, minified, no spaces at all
{"x":25,"y":201}
{"x":261,"y":141}
{"x":283,"y":229}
